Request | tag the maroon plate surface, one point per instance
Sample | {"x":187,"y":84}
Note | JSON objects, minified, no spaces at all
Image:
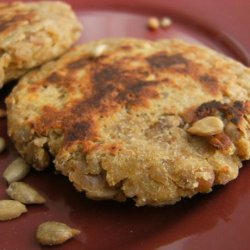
{"x":219,"y":220}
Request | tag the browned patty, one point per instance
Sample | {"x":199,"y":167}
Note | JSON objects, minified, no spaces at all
{"x":33,"y":33}
{"x":127,"y":118}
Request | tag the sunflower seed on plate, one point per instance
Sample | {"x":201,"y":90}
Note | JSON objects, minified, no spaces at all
{"x":10,"y":209}
{"x":2,"y":144}
{"x":24,"y":193}
{"x":16,"y":171}
{"x":153,"y":23}
{"x":54,"y":233}
{"x":166,"y":22}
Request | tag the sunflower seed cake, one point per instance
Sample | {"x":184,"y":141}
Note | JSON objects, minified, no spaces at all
{"x":127,"y":118}
{"x":33,"y":33}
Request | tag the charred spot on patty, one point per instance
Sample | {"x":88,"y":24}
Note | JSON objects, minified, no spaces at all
{"x":208,"y":108}
{"x":78,"y":64}
{"x":165,"y":61}
{"x":106,"y":74}
{"x":209,"y":83}
{"x":78,"y":131}
{"x":233,"y":112}
{"x":54,"y":77}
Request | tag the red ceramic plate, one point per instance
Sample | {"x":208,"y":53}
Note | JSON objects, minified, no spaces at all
{"x":219,"y":220}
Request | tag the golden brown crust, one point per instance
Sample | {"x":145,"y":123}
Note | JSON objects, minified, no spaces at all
{"x":117,"y":124}
{"x":11,"y":17}
{"x":31,"y":34}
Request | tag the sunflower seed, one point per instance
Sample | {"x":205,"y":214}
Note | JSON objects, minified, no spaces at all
{"x":153,"y":23}
{"x":99,"y":50}
{"x":24,"y":193}
{"x":16,"y":171}
{"x":54,"y":233}
{"x":2,"y":144}
{"x":10,"y":209}
{"x":166,"y":22}
{"x":210,"y":125}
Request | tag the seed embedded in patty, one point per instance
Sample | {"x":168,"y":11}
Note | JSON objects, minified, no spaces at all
{"x":210,"y":125}
{"x":99,"y":50}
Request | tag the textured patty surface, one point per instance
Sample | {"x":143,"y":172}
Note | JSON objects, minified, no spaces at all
{"x":33,"y":33}
{"x":133,"y":118}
